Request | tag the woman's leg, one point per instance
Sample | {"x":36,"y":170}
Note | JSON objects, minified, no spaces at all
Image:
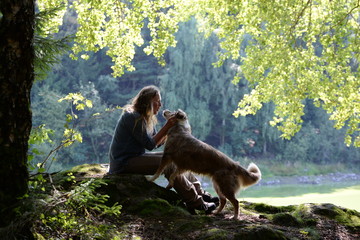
{"x":148,"y":163}
{"x":200,"y":191}
{"x":145,"y":164}
{"x":185,"y":188}
{"x":193,"y":179}
{"x":189,"y":190}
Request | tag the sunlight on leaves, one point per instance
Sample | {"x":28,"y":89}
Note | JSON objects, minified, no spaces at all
{"x":289,"y":51}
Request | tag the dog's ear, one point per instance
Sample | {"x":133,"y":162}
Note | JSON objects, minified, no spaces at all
{"x":181,"y":111}
{"x":180,"y":114}
{"x":166,"y":113}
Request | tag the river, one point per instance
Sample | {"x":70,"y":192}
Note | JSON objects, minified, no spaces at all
{"x":341,"y":189}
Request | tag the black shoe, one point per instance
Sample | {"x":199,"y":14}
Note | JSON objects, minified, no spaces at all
{"x":206,"y":206}
{"x":208,"y":198}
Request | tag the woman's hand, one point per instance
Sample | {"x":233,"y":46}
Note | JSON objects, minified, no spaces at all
{"x":160,"y":136}
{"x":170,"y":122}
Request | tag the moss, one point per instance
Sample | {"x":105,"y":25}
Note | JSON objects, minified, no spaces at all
{"x":67,"y":179}
{"x":215,"y":234}
{"x":347,"y":217}
{"x":157,"y":207}
{"x":88,"y":170}
{"x":245,"y":209}
{"x":303,"y":214}
{"x":193,"y":223}
{"x":286,"y":219}
{"x":187,"y":226}
{"x":130,"y":190}
{"x":310,"y":233}
{"x":264,"y":208}
{"x":259,"y":232}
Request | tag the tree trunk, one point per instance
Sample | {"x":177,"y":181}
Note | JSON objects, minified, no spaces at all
{"x":16,"y":79}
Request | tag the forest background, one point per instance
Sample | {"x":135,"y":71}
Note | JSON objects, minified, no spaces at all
{"x":188,"y":81}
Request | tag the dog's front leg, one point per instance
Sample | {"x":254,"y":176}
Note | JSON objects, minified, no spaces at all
{"x":222,"y":198}
{"x":222,"y":204}
{"x":156,"y":175}
{"x":172,"y":177}
{"x":171,"y":180}
{"x":164,"y":162}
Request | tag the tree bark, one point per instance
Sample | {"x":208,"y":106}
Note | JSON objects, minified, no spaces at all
{"x":16,"y":79}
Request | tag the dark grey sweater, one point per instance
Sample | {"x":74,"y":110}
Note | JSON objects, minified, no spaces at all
{"x":130,"y":140}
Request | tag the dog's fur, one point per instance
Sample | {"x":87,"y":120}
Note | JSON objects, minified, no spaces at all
{"x":191,"y":154}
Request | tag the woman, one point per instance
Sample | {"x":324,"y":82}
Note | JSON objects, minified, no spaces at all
{"x":135,"y":132}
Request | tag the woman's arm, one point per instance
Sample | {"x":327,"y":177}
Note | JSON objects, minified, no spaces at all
{"x":135,"y":126}
{"x":159,"y":138}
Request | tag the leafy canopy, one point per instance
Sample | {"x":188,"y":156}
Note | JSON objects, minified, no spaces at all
{"x":289,"y":50}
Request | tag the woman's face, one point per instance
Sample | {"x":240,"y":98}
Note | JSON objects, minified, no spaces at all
{"x":156,"y":103}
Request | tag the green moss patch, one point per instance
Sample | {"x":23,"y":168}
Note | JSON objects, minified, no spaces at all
{"x":157,"y":207}
{"x":286,"y":219}
{"x":216,"y":234}
{"x":264,"y":208}
{"x":347,"y":217}
{"x":89,"y":170}
{"x":259,"y":232}
{"x":304,"y":215}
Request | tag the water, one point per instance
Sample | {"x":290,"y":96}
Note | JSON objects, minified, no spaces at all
{"x":341,"y":189}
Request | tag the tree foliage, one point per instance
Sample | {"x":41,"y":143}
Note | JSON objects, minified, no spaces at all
{"x":294,"y":50}
{"x":188,"y":81}
{"x":117,"y":26}
{"x":298,"y":50}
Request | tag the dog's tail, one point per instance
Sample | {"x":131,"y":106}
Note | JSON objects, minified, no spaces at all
{"x":252,"y":175}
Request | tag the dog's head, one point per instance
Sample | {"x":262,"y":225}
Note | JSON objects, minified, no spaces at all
{"x":180,"y":115}
{"x":168,"y":114}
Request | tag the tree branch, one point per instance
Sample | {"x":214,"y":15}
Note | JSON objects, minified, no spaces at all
{"x":349,"y":13}
{"x":301,"y":13}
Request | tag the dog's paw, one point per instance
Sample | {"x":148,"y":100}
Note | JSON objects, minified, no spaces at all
{"x":150,"y":179}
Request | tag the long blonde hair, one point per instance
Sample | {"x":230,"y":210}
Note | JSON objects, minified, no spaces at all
{"x":142,"y":103}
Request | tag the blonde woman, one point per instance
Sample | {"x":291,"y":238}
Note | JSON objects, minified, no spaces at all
{"x":135,"y":132}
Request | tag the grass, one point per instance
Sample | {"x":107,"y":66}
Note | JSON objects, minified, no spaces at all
{"x":348,"y":197}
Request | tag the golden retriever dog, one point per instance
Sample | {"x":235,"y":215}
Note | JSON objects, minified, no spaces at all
{"x":190,"y":154}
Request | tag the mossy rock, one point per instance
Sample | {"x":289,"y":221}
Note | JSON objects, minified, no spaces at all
{"x":194,"y":223}
{"x":264,"y":208}
{"x":347,"y":217}
{"x":286,"y":219}
{"x":90,"y":170}
{"x":157,"y":207}
{"x":303,"y":214}
{"x":326,"y":210}
{"x":259,"y":232}
{"x":215,"y":234}
{"x":130,"y":189}
{"x":67,"y":179}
